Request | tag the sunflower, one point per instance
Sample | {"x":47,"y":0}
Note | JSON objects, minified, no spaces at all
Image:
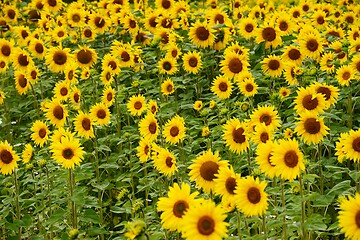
{"x":85,"y":57}
{"x":144,"y":150}
{"x":266,"y":115}
{"x":175,"y":205}
{"x":83,"y":125}
{"x":150,"y":21}
{"x":263,"y":155}
{"x":262,"y":134}
{"x":59,"y":134}
{"x":284,"y":92}
{"x":165,"y":162}
{"x":251,"y":198}
{"x":62,"y":90}
{"x":174,"y":130}
{"x":284,"y":24}
{"x":247,"y":27}
{"x":22,"y":85}
{"x":21,"y":59}
{"x":345,"y":74}
{"x":67,"y":152}
{"x":75,"y":96}
{"x":172,"y":50}
{"x":8,"y":158}
{"x":98,"y":22}
{"x":198,"y":105}
{"x":33,"y":75}
{"x":167,"y":65}
{"x":339,"y":54}
{"x":222,"y":87}
{"x":4,"y":65}
{"x":319,"y":19}
{"x":136,"y":105}
{"x":23,"y":34}
{"x":351,"y":145}
{"x":40,"y":132}
{"x":327,"y":62}
{"x":272,"y":66}
{"x":2,"y":97}
{"x":292,"y":54}
{"x":288,"y":133}
{"x":167,"y":87}
{"x":330,"y":92}
{"x":233,"y":65}
{"x":201,"y":34}
{"x":27,"y":153}
{"x":308,"y":100}
{"x":192,"y":62}
{"x":204,"y":220}
{"x":107,"y":75}
{"x":349,"y":216}
{"x":125,"y":56}
{"x":164,"y":5}
{"x":76,"y":17}
{"x":311,"y":128}
{"x":355,"y":63}
{"x":311,"y":45}
{"x":37,"y":48}
{"x":148,"y":127}
{"x":218,"y":16}
{"x":226,"y":183}
{"x":108,"y":96}
{"x":58,"y":58}
{"x":235,"y":135}
{"x":52,"y":5}
{"x":11,"y":13}
{"x":204,"y":168}
{"x":100,"y":113}
{"x":288,"y":159}
{"x":236,"y":48}
{"x":153,"y":107}
{"x":268,"y":34}
{"x":59,"y":34}
{"x":88,"y":34}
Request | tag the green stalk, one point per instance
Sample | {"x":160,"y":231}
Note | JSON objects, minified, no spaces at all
{"x":264,"y":226}
{"x":239,"y":224}
{"x":17,"y":205}
{"x":97,"y":172}
{"x":49,"y":199}
{"x":320,"y":170}
{"x":283,"y":207}
{"x":72,"y":202}
{"x":303,"y":232}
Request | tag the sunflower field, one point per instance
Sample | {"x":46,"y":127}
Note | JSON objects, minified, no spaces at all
{"x":177,"y":119}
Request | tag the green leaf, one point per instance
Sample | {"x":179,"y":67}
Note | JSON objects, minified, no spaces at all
{"x":90,"y":216}
{"x":102,"y":186}
{"x":340,"y":187}
{"x":27,"y":220}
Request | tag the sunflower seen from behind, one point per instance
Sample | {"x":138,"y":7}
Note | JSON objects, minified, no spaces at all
{"x":204,"y":220}
{"x":349,"y":216}
{"x":205,"y":168}
{"x":8,"y":158}
{"x":311,"y":128}
{"x":288,"y":159}
{"x":251,"y":198}
{"x":67,"y":152}
{"x":175,"y":205}
{"x":148,"y":127}
{"x":174,"y":130}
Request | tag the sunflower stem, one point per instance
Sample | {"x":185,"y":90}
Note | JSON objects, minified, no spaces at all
{"x":17,"y":205}
{"x":239,"y":224}
{"x":303,"y":232}
{"x":118,"y":122}
{"x":72,"y":202}
{"x":98,"y":182}
{"x":283,"y":207}
{"x":264,"y":226}
{"x":48,"y":182}
{"x":320,"y":170}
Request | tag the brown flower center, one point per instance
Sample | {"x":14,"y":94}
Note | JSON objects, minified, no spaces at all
{"x":146,"y":149}
{"x":309,"y":103}
{"x":179,"y":208}
{"x":325,"y":91}
{"x":101,"y":114}
{"x":249,"y":28}
{"x":52,"y":3}
{"x":86,"y":124}
{"x":84,"y":56}
{"x":109,"y":96}
{"x":87,"y":33}
{"x":193,"y":62}
{"x":346,"y":75}
{"x":235,"y":65}
{"x":296,"y":14}
{"x":152,"y":22}
{"x":206,"y":225}
{"x":6,"y":156}
{"x":6,"y":50}
{"x":356,"y":144}
{"x":125,"y":56}
{"x":219,"y":19}
{"x":152,"y":127}
{"x":291,"y":159}
{"x":60,"y":34}
{"x":264,"y":136}
{"x":202,"y":33}
{"x":42,"y":133}
{"x":76,"y":97}
{"x":112,"y":64}
{"x":294,"y":54}
{"x":169,"y":88}
{"x":11,"y":13}
{"x":167,"y":66}
{"x":306,"y":8}
{"x":76,"y":18}
{"x":2,"y":64}
{"x":238,"y":135}
{"x":174,"y":53}
{"x":269,"y":34}
{"x":266,"y":118}
{"x":64,"y":91}
{"x":254,"y":195}
{"x":349,"y":19}
{"x":138,"y":105}
{"x":169,"y":162}
{"x":166,"y":4}
{"x":58,"y":112}
{"x":312,"y":45}
{"x":223,"y":86}
{"x":68,"y":153}
{"x":230,"y":185}
{"x":165,"y":38}
{"x":23,"y":60}
{"x":22,"y":81}
{"x":132,"y":24}
{"x":274,"y":64}
{"x":99,"y":22}
{"x":312,"y":126}
{"x":357,"y":219}
{"x":174,"y":131}
{"x":153,"y":109}
{"x":320,"y":20}
{"x":208,"y":170}
{"x":249,"y":87}
{"x":333,"y":33}
{"x":283,"y":26}
{"x":269,"y":161}
{"x":60,"y":57}
{"x":33,"y":74}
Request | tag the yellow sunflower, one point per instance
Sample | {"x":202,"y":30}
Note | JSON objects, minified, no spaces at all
{"x":153,"y":107}
{"x":2,"y":97}
{"x":284,"y":92}
{"x":205,"y":220}
{"x":292,"y":54}
{"x":100,"y":113}
{"x":311,"y":128}
{"x":99,"y":22}
{"x":327,"y":62}
{"x":6,"y":48}
{"x":67,"y":152}
{"x":345,"y":74}
{"x":58,"y":58}
{"x":349,"y":216}
{"x":144,"y":150}
{"x":198,"y":105}
{"x":85,"y":57}
{"x":168,"y":66}
{"x":37,"y":48}
{"x":248,"y":87}
{"x":262,"y":134}
{"x":40,"y":133}
{"x":165,"y":162}
{"x":351,"y":146}
{"x":330,"y":92}
{"x":251,"y":198}
{"x":27,"y":153}
{"x":174,"y":130}
{"x":62,"y":90}
{"x":311,"y":45}
{"x":8,"y":158}
{"x":192,"y":62}
{"x":204,"y":168}
{"x":272,"y":66}
{"x":148,"y":127}
{"x":288,"y":159}
{"x":22,"y":84}
{"x":226,"y":183}
{"x":309,"y":100}
{"x":136,"y":105}
{"x":21,"y":59}
{"x":267,"y":115}
{"x":263,"y":155}
{"x":167,"y":87}
{"x":56,"y":113}
{"x":175,"y":205}
{"x":234,"y":65}
{"x":201,"y":34}
{"x":235,"y":135}
{"x":222,"y":87}
{"x":76,"y":17}
{"x":247,"y":27}
{"x":83,"y":125}
{"x":268,"y":34}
